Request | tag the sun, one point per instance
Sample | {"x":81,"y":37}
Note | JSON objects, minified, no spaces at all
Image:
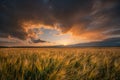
{"x":65,"y":44}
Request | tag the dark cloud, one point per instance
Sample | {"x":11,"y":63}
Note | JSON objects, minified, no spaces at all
{"x":10,"y":42}
{"x":6,"y":42}
{"x":38,"y":41}
{"x":104,"y":43}
{"x":109,"y":42}
{"x":84,"y":18}
{"x":13,"y":13}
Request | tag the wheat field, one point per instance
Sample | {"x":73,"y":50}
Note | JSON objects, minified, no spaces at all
{"x":60,"y":63}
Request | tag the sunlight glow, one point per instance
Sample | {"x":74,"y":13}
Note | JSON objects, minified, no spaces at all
{"x":65,"y":44}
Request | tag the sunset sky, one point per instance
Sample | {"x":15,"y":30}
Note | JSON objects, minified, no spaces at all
{"x":59,"y":22}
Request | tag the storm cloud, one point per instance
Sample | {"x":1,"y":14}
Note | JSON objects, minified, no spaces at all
{"x":89,"y":19}
{"x":38,"y":41}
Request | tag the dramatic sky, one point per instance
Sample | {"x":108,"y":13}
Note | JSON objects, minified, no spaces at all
{"x":58,"y":22}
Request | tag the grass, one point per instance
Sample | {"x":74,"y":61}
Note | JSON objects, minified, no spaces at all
{"x":60,"y":63}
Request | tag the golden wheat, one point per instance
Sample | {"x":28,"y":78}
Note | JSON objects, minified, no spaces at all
{"x":60,"y":63}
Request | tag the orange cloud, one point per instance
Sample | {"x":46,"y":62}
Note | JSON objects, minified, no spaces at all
{"x":79,"y":31}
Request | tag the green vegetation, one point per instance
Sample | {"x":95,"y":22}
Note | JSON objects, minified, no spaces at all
{"x":60,"y":63}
